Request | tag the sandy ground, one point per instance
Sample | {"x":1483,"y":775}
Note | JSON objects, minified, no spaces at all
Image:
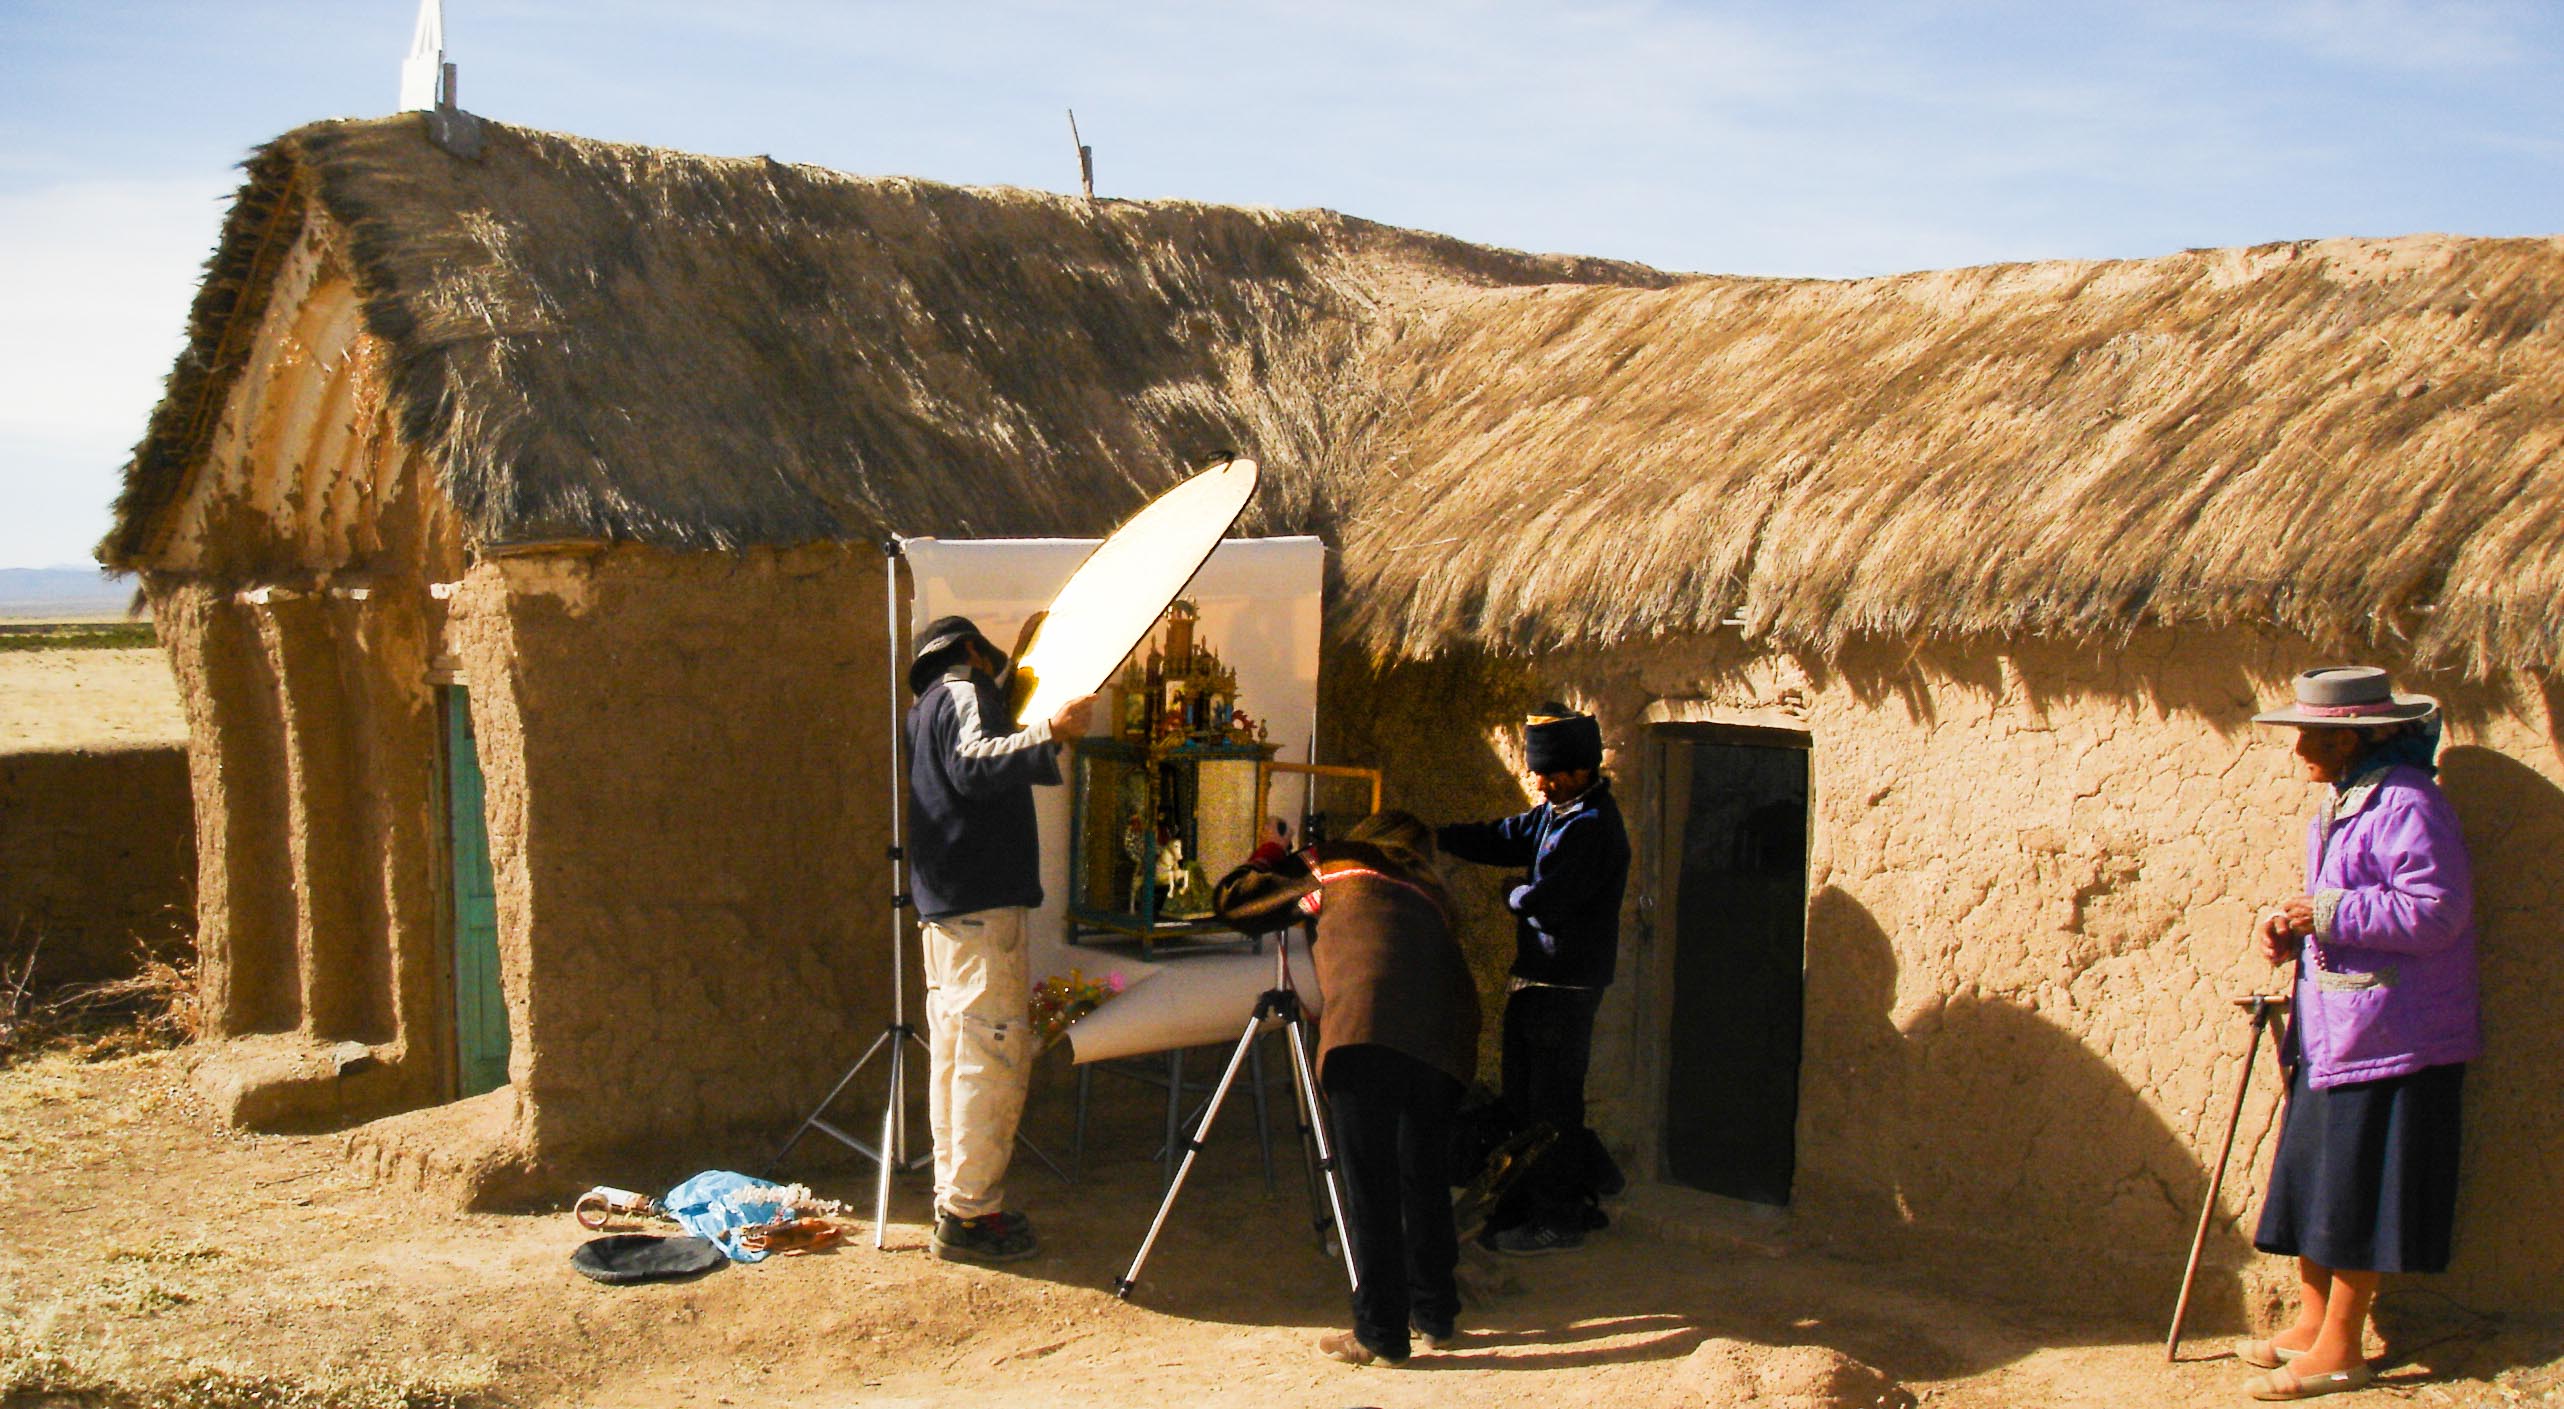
{"x":141,"y":1244}
{"x":88,"y":699}
{"x":145,"y":1243}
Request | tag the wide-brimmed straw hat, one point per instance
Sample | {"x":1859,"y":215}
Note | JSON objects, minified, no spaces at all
{"x":2348,"y":696}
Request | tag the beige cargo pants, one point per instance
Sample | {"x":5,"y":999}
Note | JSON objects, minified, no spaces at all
{"x":979,"y":1048}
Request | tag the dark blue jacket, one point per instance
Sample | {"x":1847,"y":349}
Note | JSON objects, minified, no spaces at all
{"x":971,"y":839}
{"x":1567,"y":914}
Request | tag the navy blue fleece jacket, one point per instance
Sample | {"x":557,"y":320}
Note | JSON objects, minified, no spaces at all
{"x":1567,"y":913}
{"x":971,"y":840}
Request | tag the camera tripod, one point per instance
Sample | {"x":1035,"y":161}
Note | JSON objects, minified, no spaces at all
{"x":1317,"y":1149}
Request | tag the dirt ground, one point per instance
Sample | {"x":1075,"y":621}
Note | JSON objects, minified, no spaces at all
{"x":88,"y":699}
{"x":149,"y":1256}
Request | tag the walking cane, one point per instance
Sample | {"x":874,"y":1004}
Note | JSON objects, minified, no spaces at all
{"x":2261,"y":1006}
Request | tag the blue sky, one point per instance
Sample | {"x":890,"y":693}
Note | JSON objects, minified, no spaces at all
{"x":1810,"y":138}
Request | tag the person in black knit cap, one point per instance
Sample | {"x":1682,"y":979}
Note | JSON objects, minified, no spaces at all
{"x":1566,"y":940}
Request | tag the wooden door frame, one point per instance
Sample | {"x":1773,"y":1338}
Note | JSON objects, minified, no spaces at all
{"x":1652,"y":1002}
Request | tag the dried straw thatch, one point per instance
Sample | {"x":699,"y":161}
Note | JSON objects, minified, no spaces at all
{"x":599,"y":342}
{"x":2356,"y":439}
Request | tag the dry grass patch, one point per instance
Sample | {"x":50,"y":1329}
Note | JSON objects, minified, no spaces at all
{"x":43,"y":1370}
{"x":153,"y":1009}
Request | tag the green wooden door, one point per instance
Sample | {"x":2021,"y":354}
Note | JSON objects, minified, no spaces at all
{"x":480,"y":1014}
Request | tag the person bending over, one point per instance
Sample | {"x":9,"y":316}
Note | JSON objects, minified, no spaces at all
{"x":1397,"y":1043}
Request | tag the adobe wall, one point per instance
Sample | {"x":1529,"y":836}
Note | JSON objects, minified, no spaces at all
{"x":2032,"y":874}
{"x":686,"y":808}
{"x":312,"y":754}
{"x":97,"y":860}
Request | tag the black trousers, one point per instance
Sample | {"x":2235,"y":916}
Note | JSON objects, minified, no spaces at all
{"x":1392,"y":1120}
{"x":1548,"y":1044}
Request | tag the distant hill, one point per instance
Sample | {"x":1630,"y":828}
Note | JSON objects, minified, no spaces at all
{"x":62,"y":594}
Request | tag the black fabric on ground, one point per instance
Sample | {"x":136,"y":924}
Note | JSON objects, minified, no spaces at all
{"x":2366,"y":1175}
{"x":620,"y":1258}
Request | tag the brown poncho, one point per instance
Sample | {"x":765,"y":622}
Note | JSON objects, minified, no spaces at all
{"x":1389,"y":970}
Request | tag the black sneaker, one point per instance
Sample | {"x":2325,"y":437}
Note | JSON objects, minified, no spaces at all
{"x":994,"y":1237}
{"x":1534,"y":1240}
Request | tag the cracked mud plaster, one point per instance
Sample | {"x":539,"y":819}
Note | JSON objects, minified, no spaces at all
{"x":2033,"y":869}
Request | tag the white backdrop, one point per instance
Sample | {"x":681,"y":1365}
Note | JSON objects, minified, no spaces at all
{"x":1261,"y":601}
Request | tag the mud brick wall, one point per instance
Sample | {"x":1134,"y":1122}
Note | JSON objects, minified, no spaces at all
{"x":97,"y":861}
{"x":312,"y":762}
{"x":688,"y":818}
{"x":2032,"y":874}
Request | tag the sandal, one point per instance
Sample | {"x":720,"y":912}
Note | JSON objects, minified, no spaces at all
{"x":1348,"y":1347}
{"x":2265,"y":1354}
{"x":2285,"y":1384}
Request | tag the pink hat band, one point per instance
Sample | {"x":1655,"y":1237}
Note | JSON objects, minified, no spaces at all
{"x":2346,"y":695}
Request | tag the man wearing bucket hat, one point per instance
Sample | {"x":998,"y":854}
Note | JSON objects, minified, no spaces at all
{"x":1566,"y":941}
{"x":2384,"y":1021}
{"x":974,"y":868}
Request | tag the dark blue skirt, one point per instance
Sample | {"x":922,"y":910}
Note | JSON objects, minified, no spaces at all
{"x":2366,"y":1175}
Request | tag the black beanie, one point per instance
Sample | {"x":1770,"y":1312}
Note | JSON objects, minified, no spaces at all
{"x":1556,"y":739}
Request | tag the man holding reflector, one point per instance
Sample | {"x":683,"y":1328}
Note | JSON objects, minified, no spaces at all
{"x":975,"y":867}
{"x":974,"y":853}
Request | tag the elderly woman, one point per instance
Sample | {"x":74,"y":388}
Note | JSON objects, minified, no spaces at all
{"x":2384,"y":1021}
{"x":1397,"y":1043}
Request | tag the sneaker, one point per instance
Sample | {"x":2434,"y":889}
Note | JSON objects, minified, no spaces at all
{"x":1348,"y":1348}
{"x":1443,"y":1339}
{"x":1534,"y":1240}
{"x":994,"y":1237}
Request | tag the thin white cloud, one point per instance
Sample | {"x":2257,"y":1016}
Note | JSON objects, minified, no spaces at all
{"x":2435,"y":37}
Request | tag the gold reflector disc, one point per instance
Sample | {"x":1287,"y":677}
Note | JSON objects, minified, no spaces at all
{"x":1124,"y":586}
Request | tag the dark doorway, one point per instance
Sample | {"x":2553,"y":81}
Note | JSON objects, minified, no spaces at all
{"x":1736,"y":848}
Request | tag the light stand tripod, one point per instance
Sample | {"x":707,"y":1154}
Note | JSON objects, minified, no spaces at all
{"x":1280,"y":1001}
{"x":891,"y":1154}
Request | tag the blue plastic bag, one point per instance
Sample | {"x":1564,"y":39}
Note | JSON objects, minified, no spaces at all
{"x":718,"y":1204}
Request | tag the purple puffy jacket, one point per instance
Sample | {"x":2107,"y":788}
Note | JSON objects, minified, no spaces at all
{"x":2386,"y":983}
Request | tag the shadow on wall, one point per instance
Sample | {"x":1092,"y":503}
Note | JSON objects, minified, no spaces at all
{"x":2510,"y":1217}
{"x":1985,"y":1134}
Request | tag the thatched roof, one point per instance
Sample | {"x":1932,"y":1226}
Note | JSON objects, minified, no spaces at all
{"x":601,"y":342}
{"x":2359,"y":440}
{"x":2356,"y":439}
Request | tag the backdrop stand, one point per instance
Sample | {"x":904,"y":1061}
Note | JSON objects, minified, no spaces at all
{"x":890,"y":1155}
